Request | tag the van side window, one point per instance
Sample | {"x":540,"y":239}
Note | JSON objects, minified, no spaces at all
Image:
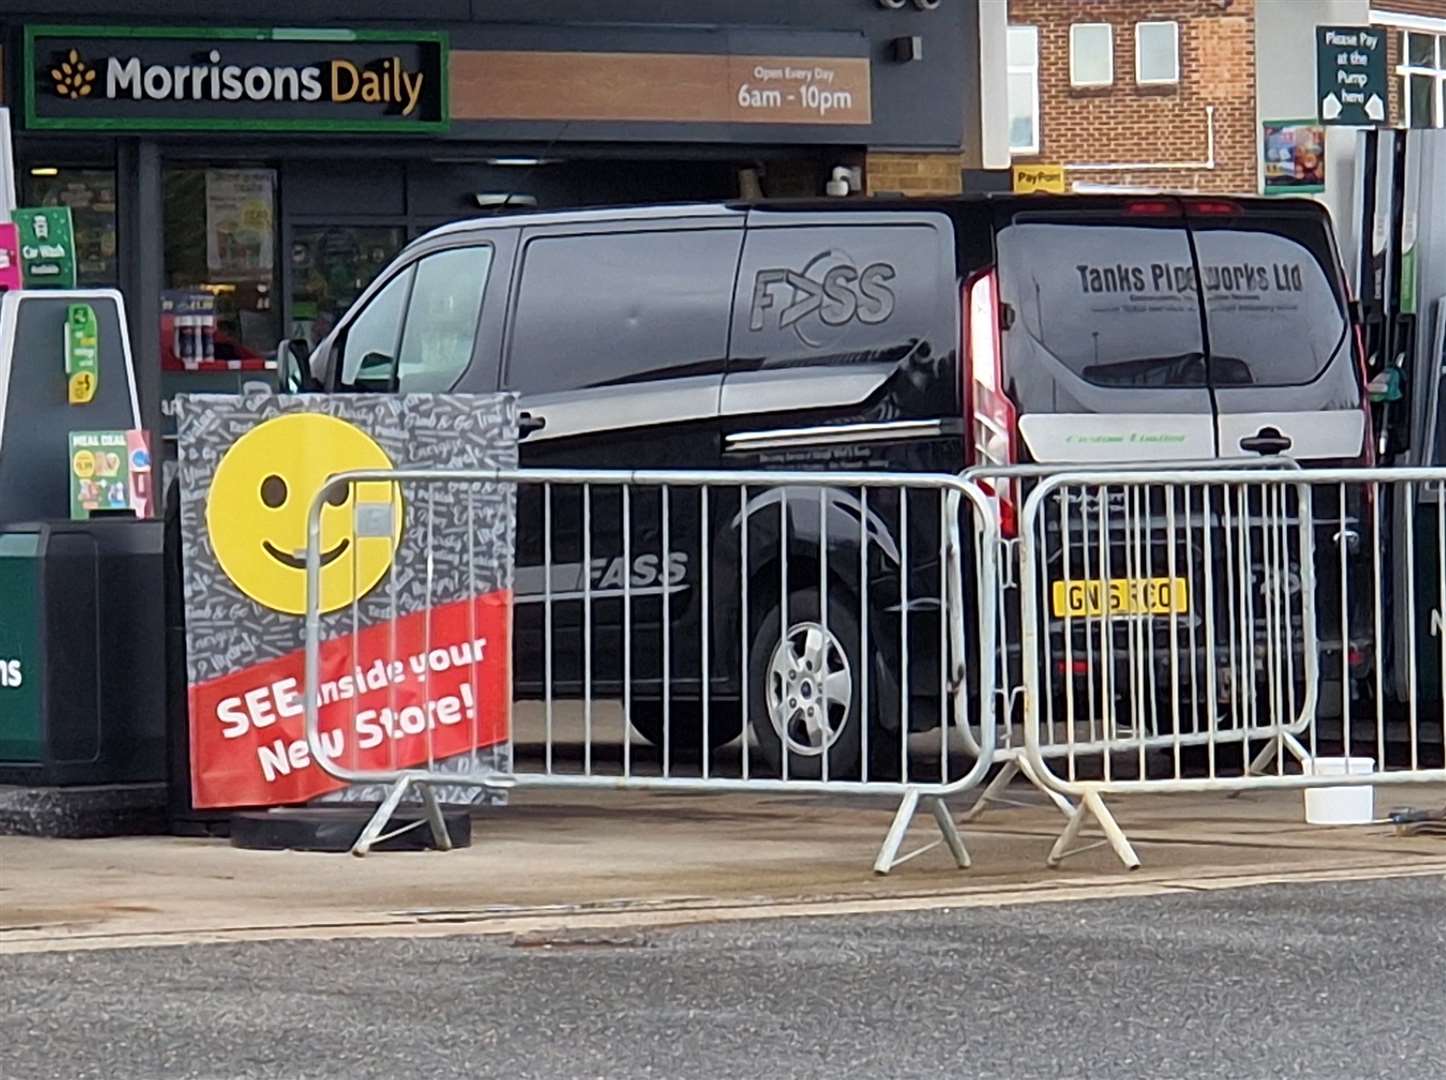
{"x":442,"y":317}
{"x":371,"y":340}
{"x":620,"y":307}
{"x":421,"y":326}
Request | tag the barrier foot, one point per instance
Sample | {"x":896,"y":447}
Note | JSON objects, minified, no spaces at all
{"x":993,"y":791}
{"x":1268,"y":753}
{"x":889,"y":856}
{"x":1092,"y":805}
{"x":373,"y":831}
{"x":433,"y":810}
{"x":952,"y":838}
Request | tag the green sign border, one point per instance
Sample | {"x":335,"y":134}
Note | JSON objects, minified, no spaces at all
{"x":157,"y":123}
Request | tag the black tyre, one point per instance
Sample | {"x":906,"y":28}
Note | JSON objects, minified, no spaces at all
{"x":805,"y":692}
{"x":685,"y":725}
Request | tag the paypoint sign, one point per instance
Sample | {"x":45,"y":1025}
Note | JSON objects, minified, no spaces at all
{"x":156,"y":78}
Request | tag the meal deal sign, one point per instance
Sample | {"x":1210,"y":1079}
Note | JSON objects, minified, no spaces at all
{"x":415,"y":594}
{"x":158,"y":78}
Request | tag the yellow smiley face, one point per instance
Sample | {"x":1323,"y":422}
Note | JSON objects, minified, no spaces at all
{"x":256,"y":512}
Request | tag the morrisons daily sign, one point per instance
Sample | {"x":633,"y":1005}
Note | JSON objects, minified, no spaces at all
{"x":148,"y":78}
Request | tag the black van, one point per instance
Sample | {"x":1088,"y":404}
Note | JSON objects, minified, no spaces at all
{"x":913,"y":335}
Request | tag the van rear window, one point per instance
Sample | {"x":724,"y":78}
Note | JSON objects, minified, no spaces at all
{"x":1116,"y":302}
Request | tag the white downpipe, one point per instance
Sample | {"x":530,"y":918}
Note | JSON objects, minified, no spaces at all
{"x":1149,"y":166}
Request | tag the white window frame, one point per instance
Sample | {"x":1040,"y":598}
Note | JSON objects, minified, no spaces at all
{"x":1109,"y":29}
{"x":1032,"y":70}
{"x":1174,"y":80}
{"x":1405,"y":70}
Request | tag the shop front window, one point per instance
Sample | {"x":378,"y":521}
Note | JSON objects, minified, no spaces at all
{"x":330,"y":266}
{"x":90,"y":194}
{"x":219,"y":309}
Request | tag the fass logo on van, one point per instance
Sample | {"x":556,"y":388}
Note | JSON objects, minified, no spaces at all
{"x":155,"y":78}
{"x":830,"y":292}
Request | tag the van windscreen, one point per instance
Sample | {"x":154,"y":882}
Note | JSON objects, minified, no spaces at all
{"x":1113,"y":301}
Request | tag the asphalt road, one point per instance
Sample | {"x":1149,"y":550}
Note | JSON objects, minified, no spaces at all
{"x":1341,"y":980}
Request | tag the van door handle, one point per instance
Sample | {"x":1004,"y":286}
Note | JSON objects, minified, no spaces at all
{"x":1267,"y":441}
{"x":527,"y":424}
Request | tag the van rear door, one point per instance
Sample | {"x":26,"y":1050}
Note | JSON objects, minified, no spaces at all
{"x":1283,"y":364}
{"x":1167,"y":329}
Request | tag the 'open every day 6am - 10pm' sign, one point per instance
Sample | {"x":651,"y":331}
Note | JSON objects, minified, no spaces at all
{"x":413,"y":664}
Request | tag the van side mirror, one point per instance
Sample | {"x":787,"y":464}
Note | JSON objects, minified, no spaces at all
{"x":293,"y":360}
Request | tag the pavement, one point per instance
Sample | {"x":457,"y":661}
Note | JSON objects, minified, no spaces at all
{"x":588,"y":861}
{"x":1340,"y":980}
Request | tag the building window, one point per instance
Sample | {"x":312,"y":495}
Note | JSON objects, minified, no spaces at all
{"x":1423,"y":79}
{"x":1023,"y":85}
{"x":1091,"y":54}
{"x":90,"y":194}
{"x":1157,"y":53}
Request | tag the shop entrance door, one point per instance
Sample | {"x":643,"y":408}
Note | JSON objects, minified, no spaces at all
{"x":328,"y":265}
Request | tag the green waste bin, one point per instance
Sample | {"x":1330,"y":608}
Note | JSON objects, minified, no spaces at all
{"x":20,"y":698}
{"x":82,"y":653}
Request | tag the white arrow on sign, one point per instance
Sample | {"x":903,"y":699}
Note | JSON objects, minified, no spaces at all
{"x":1330,"y":107}
{"x":1375,"y":107}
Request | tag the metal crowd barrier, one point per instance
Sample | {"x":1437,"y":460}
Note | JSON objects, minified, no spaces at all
{"x":1016,"y":482}
{"x":684,"y":631}
{"x":1225,"y":630}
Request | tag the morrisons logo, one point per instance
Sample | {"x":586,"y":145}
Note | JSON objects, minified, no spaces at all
{"x":387,"y":82}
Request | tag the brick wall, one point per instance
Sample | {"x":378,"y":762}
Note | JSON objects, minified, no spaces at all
{"x":912,"y":174}
{"x":1431,"y":9}
{"x":1124,"y":122}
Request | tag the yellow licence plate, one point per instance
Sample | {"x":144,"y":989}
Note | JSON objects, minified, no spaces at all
{"x":1125,"y":596}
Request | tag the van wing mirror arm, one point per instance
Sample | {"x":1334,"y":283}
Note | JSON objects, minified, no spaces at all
{"x":292,"y":353}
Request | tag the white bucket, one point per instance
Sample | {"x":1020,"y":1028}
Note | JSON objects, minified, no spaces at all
{"x":1341,"y":805}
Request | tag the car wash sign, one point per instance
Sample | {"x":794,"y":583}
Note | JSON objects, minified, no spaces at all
{"x":160,"y":79}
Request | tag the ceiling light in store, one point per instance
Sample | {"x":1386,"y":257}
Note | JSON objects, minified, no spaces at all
{"x":520,"y":161}
{"x":44,"y":170}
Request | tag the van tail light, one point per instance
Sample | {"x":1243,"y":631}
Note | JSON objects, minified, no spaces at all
{"x":1153,"y":208}
{"x":991,"y":423}
{"x":1211,"y":207}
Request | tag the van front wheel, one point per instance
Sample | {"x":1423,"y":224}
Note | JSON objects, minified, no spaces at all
{"x":805,"y":686}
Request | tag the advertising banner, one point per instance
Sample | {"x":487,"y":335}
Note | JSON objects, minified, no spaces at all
{"x":9,"y":256}
{"x":82,"y":354}
{"x":110,"y":472}
{"x":239,"y":223}
{"x":416,"y":592}
{"x":1295,"y":157}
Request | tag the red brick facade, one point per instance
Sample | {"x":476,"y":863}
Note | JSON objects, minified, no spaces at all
{"x":1127,"y":123}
